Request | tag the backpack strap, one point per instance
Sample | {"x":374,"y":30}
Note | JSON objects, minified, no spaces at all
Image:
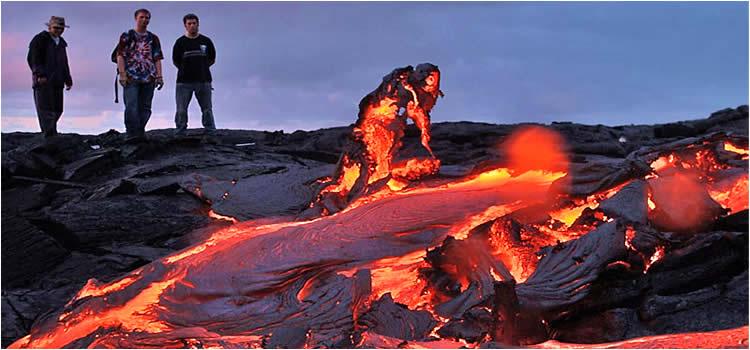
{"x":130,"y":35}
{"x":117,"y":93}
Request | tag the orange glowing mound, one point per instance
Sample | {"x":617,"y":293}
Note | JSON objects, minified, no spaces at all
{"x":681,"y":204}
{"x":536,"y":148}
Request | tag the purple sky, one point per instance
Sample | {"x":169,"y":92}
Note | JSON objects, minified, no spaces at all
{"x":306,"y":65}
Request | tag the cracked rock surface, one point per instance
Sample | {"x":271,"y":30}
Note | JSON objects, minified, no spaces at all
{"x":78,"y":207}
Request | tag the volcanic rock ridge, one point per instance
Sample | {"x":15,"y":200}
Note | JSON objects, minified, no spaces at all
{"x":617,"y":258}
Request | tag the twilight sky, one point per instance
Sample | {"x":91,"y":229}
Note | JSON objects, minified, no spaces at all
{"x":306,"y":65}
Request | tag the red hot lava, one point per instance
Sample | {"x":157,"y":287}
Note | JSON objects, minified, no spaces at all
{"x":253,"y":280}
{"x":535,"y":148}
{"x":367,"y":163}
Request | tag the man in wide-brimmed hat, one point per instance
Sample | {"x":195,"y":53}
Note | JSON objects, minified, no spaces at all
{"x":50,"y":72}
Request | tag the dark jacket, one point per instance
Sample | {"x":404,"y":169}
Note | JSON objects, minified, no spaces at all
{"x":49,"y":60}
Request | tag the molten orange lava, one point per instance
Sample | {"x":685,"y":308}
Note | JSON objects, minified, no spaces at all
{"x":663,"y":162}
{"x":702,"y":161}
{"x":379,"y":137}
{"x":731,"y":148}
{"x":368,"y":160}
{"x":629,"y":235}
{"x":136,"y":314}
{"x":569,"y":215}
{"x":680,"y":202}
{"x":415,"y":168}
{"x":730,"y":191}
{"x":400,"y":277}
{"x":721,"y":339}
{"x":658,"y":254}
{"x":536,"y":148}
{"x":250,"y":261}
{"x":349,"y":174}
{"x":735,"y":198}
{"x":217,"y":216}
{"x":93,"y":289}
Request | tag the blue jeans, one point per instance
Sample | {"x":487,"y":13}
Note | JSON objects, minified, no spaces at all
{"x":183,"y":95}
{"x":137,"y":97}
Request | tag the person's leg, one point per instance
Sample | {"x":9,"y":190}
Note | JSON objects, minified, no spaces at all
{"x":57,"y":109}
{"x":40,"y":112}
{"x":130,"y":98}
{"x":145,"y":96}
{"x":183,"y":95}
{"x":43,"y":100}
{"x":203,"y":95}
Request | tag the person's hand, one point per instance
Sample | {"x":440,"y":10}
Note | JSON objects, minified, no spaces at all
{"x":159,"y":83}
{"x":68,"y":87}
{"x":124,"y":79}
{"x":41,"y":80}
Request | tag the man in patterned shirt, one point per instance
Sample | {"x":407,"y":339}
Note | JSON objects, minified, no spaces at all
{"x":139,"y":58}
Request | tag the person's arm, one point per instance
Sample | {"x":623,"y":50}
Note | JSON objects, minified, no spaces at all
{"x":122,"y":72}
{"x":211,"y":53}
{"x":158,"y":69}
{"x":37,"y":58}
{"x":159,"y":78}
{"x":157,"y":56}
{"x":68,"y":77}
{"x":177,"y":52}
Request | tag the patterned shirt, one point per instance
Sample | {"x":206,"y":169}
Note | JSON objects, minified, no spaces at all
{"x":141,"y":51}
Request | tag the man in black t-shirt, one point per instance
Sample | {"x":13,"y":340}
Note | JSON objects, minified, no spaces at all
{"x":193,"y":54}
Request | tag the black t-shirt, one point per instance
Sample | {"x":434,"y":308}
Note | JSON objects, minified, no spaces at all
{"x":193,"y":57}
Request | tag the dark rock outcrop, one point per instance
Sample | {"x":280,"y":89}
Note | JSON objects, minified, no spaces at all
{"x":93,"y":206}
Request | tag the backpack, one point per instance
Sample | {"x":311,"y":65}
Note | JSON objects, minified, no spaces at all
{"x":131,"y":35}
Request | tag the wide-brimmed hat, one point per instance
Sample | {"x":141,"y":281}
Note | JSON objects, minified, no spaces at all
{"x":54,"y":20}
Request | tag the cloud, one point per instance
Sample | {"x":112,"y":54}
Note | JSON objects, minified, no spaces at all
{"x":19,"y":123}
{"x":160,"y":120}
{"x":82,"y":124}
{"x":14,"y":41}
{"x":307,"y":65}
{"x":86,"y":123}
{"x":15,"y":70}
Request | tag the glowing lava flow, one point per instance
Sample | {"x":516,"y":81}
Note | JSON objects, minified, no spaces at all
{"x":658,"y":254}
{"x":400,"y":277}
{"x":683,"y":176}
{"x":735,"y":197}
{"x":259,"y":261}
{"x":252,"y":278}
{"x":736,"y":338}
{"x":374,"y":144}
{"x":726,"y":338}
{"x":215,"y":215}
{"x":731,"y":148}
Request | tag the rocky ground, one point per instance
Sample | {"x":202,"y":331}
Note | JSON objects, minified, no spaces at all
{"x":93,"y":206}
